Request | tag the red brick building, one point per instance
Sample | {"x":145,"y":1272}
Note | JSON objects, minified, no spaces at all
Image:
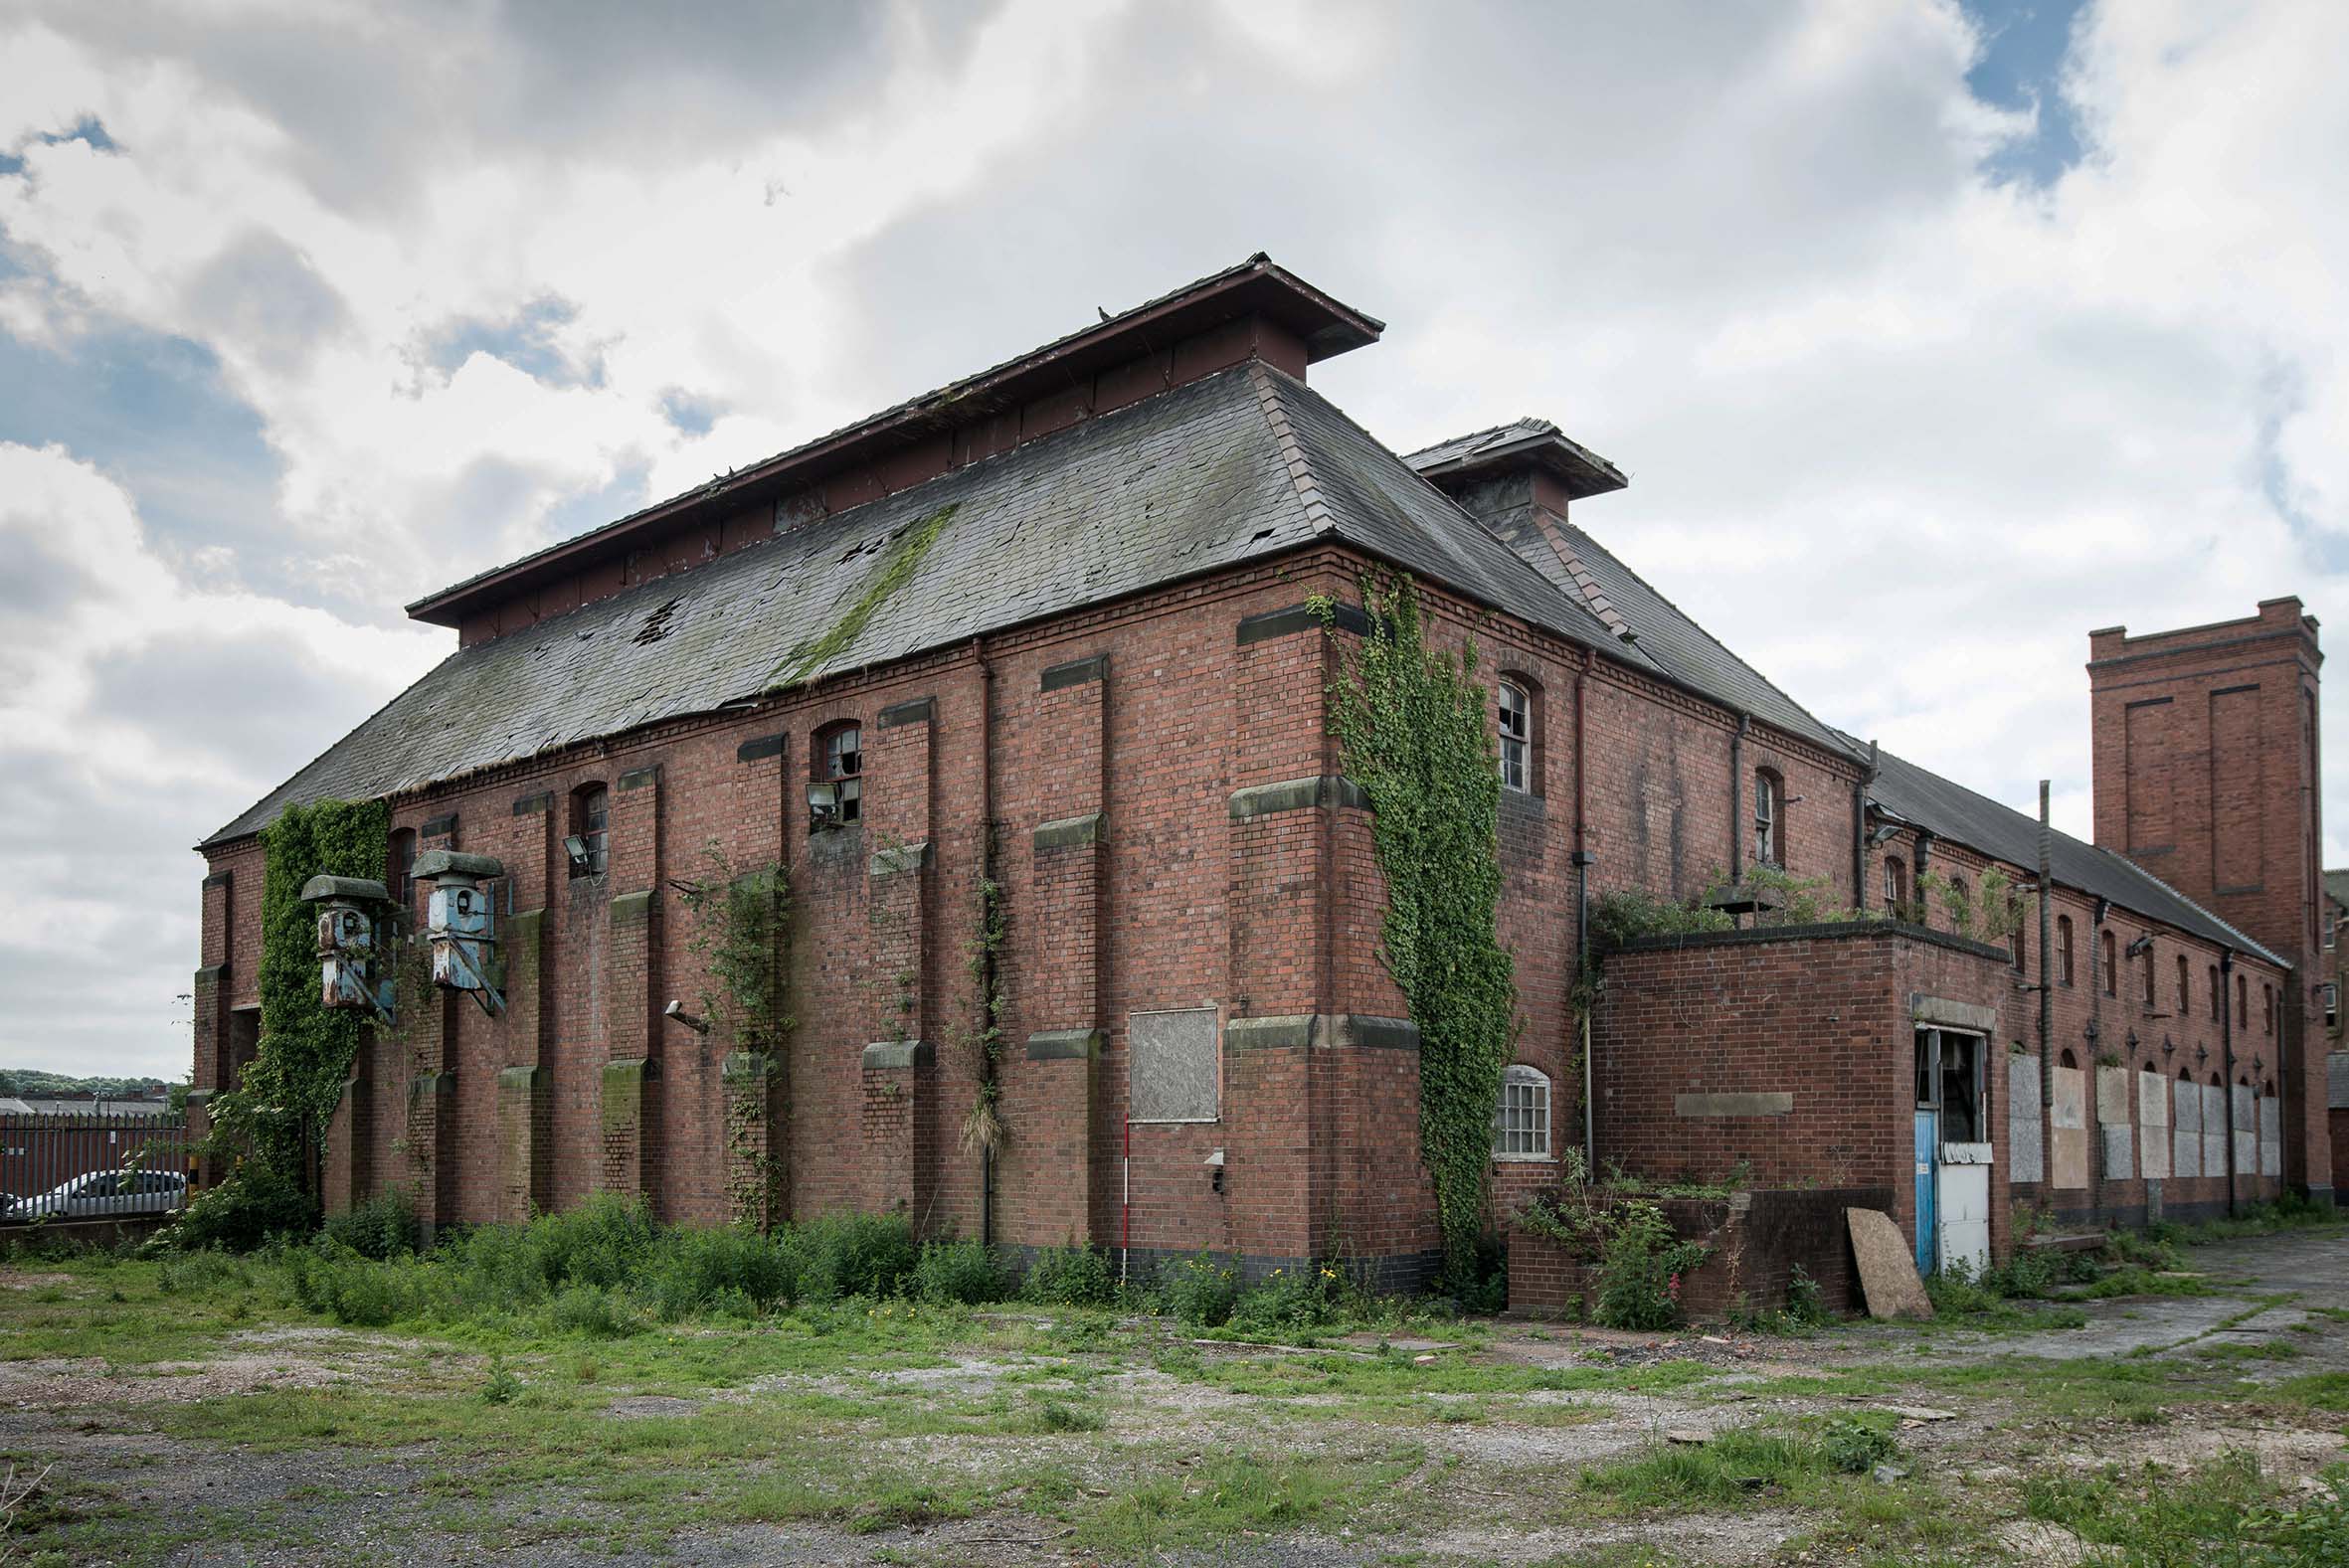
{"x":1047,"y":627}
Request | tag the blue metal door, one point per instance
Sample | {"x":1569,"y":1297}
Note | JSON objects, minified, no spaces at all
{"x":1928,"y":1152}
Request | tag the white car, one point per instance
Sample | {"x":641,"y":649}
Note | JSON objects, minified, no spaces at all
{"x":102,"y":1193}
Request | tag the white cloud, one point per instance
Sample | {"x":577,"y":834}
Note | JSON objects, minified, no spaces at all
{"x":1898,"y":433}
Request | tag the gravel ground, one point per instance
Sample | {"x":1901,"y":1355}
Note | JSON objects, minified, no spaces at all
{"x":1489,"y":1484}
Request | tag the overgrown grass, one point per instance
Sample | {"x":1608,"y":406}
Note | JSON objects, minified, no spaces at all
{"x":2225,"y":1514}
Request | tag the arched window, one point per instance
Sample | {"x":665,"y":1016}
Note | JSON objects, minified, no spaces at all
{"x":2145,"y":981}
{"x":2243,"y":1002}
{"x":2269,"y":994}
{"x":2015,"y":947}
{"x":835,"y":797}
{"x":401,"y":869}
{"x":2111,"y":965}
{"x":589,"y":844}
{"x":2216,"y":993}
{"x":2063,"y":948}
{"x":1520,"y":1122}
{"x":1769,"y":817}
{"x":1896,"y":887}
{"x":1961,"y":907}
{"x":1517,"y":736}
{"x":2185,"y":986}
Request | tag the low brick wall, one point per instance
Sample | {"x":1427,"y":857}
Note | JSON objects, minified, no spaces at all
{"x":76,"y":1235}
{"x":1755,"y":1240}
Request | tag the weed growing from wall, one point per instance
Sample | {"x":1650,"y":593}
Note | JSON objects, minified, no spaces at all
{"x":1413,"y":725}
{"x":292,"y":1085}
{"x":741,"y":929}
{"x":980,"y":1051}
{"x":739,"y":933}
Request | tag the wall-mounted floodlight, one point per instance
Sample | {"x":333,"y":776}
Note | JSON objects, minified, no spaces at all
{"x":2142,"y":946}
{"x":1884,"y":833}
{"x":675,"y":1010}
{"x":575,"y":848}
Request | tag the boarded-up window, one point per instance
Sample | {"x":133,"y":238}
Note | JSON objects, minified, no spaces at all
{"x":2153,"y":1121}
{"x":1175,"y":1066}
{"x":2186,"y":1112}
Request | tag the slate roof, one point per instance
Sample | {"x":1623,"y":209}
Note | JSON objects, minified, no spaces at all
{"x":1950,"y":811}
{"x":1585,"y":470}
{"x":1327,"y":328}
{"x":2337,"y":884}
{"x":1240,"y":465}
{"x":1664,"y":638}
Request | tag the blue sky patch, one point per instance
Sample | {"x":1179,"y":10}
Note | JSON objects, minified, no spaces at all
{"x":2022,"y":67}
{"x":527,"y":341}
{"x":691,"y":411}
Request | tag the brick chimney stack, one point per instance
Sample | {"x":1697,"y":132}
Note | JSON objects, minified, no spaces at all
{"x":2206,"y":775}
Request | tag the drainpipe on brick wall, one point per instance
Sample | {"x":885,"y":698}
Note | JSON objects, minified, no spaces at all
{"x":1584,"y":859}
{"x":986,"y":873}
{"x":1738,"y":797}
{"x":1860,"y":831}
{"x":2227,"y":1058}
{"x":2087,"y":1115}
{"x":2047,"y":988}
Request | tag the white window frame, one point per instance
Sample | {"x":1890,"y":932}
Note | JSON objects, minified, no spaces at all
{"x":1516,"y":709}
{"x":1523,"y":1090}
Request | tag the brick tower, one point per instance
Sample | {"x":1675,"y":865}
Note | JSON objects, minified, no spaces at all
{"x":2206,"y":775}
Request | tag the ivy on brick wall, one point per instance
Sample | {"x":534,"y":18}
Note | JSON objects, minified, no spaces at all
{"x":980,"y":1050}
{"x":739,"y":924}
{"x":741,"y":937}
{"x":290,"y":1088}
{"x":1414,"y":732}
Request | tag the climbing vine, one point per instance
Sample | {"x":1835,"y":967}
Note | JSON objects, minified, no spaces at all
{"x":1414,"y":734}
{"x":738,"y":938}
{"x":980,"y":1050}
{"x":897,"y":569}
{"x":290,"y":1088}
{"x":740,"y":932}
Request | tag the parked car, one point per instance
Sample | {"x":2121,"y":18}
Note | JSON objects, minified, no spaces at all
{"x":102,"y":1193}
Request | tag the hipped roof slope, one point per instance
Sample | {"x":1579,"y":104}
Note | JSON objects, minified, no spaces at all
{"x":1950,"y":811}
{"x":1240,"y":465}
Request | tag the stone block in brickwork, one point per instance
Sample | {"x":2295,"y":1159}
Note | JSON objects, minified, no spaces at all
{"x":1172,"y":1065}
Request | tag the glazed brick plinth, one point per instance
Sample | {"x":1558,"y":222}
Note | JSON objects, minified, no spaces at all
{"x":1753,"y":1243}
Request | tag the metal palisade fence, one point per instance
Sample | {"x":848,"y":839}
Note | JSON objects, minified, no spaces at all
{"x":76,"y":1165}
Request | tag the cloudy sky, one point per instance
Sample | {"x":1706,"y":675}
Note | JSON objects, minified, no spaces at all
{"x":1933,"y":336}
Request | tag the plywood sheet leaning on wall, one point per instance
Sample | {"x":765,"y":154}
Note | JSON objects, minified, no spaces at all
{"x":1888,"y":1266}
